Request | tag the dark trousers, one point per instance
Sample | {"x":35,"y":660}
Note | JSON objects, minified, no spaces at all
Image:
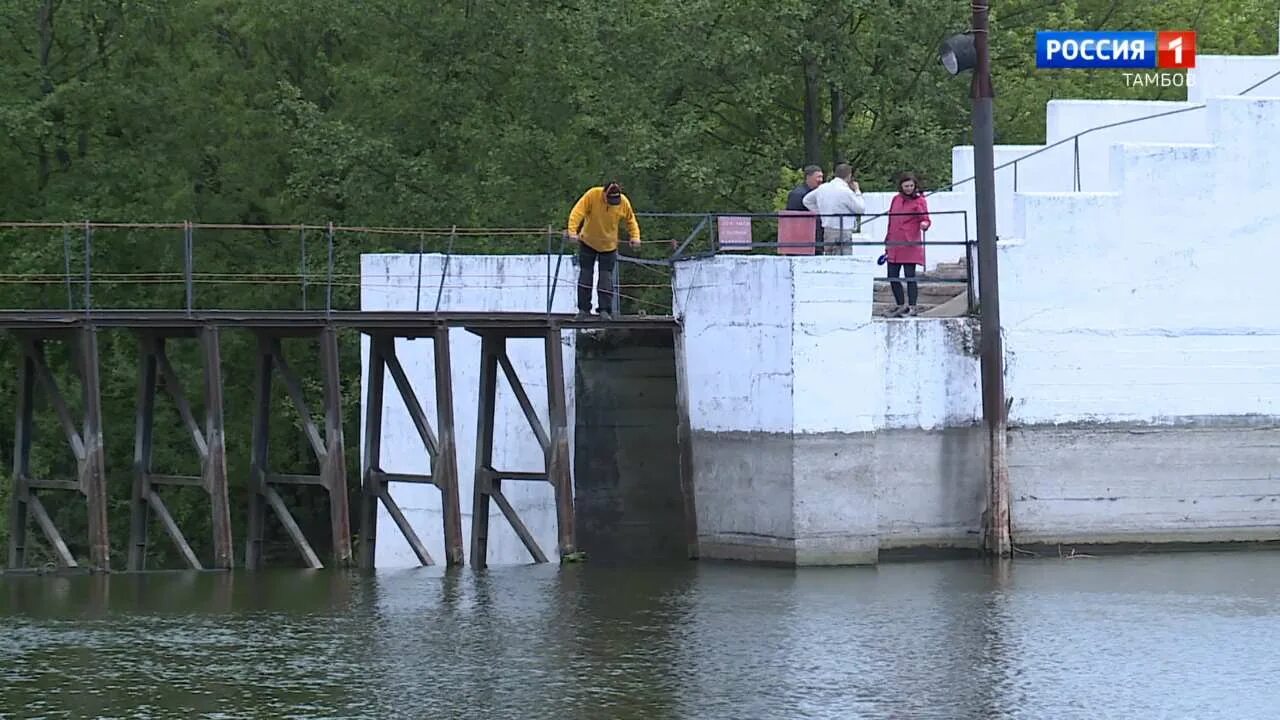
{"x":587,"y":259}
{"x":913,"y":288}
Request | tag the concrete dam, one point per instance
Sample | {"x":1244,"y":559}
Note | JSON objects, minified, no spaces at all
{"x":1144,"y":386}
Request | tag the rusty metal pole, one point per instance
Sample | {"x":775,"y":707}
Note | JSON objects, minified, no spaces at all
{"x":996,"y":526}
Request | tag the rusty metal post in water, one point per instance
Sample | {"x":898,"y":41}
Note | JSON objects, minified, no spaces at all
{"x":996,"y":525}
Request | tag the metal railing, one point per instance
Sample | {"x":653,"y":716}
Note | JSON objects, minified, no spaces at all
{"x":198,"y":267}
{"x":700,"y":238}
{"x":1077,"y":185}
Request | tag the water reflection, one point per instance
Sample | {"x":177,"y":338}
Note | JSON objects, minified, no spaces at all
{"x":1168,"y":636}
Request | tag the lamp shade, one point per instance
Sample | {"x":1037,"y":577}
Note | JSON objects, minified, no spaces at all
{"x":958,"y":53}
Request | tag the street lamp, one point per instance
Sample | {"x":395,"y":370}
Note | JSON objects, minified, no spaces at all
{"x":959,"y":53}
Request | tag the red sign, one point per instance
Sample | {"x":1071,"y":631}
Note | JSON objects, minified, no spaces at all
{"x":1176,"y":49}
{"x":734,"y":233}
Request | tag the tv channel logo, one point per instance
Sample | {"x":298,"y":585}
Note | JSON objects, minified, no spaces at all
{"x":1166,"y":50}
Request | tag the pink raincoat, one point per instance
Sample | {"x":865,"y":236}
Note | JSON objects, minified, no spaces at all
{"x":906,"y":228}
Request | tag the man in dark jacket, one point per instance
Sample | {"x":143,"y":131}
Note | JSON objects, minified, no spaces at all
{"x":795,"y":199}
{"x":812,"y":179}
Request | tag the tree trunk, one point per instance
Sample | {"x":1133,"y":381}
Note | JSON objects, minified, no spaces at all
{"x":44,"y":25}
{"x":812,"y":111}
{"x":837,"y":123}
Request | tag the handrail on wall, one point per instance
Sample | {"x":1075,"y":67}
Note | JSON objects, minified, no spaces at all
{"x":1075,"y":140}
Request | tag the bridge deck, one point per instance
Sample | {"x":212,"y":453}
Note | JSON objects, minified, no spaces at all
{"x":303,"y":320}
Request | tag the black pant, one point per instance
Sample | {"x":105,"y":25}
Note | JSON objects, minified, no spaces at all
{"x":913,"y":288}
{"x":587,"y":259}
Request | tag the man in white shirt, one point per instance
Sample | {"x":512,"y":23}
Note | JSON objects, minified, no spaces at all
{"x":840,"y":196}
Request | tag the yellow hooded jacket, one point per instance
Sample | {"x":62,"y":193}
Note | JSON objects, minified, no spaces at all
{"x":596,"y":221}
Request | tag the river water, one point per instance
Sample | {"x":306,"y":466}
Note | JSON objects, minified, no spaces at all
{"x":1158,"y":636}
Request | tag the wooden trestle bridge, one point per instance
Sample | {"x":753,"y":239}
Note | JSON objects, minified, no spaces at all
{"x":39,"y":333}
{"x":35,"y":331}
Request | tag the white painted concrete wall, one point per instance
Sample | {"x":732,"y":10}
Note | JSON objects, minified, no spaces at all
{"x":810,"y":359}
{"x":1142,"y":303}
{"x":1217,"y":75}
{"x":1054,"y":170}
{"x":1186,"y":329}
{"x":1143,"y":357}
{"x":473,"y":283}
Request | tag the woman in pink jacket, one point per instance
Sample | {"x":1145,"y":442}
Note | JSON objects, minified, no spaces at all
{"x":904,"y":241}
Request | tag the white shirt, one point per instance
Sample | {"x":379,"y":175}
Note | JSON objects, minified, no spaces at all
{"x":835,"y":198}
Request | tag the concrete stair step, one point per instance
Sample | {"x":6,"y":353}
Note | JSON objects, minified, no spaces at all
{"x":881,"y":309}
{"x":929,"y":292}
{"x":957,"y":306}
{"x":950,"y":271}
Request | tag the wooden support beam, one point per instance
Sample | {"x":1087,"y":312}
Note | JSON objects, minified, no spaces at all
{"x":84,"y":438}
{"x":333,"y":464}
{"x":490,"y":346}
{"x":93,"y":471}
{"x":386,"y":477}
{"x":296,"y":479}
{"x":215,"y":458}
{"x":35,"y":351}
{"x":513,"y":475}
{"x":175,"y":533}
{"x":526,"y":406}
{"x":20,"y":495}
{"x":50,"y":531}
{"x":554,"y":441}
{"x":256,"y":525}
{"x":174,"y":387}
{"x":291,"y":527}
{"x":518,"y":525}
{"x":558,"y":470}
{"x":208,"y":440}
{"x":181,"y":480}
{"x":371,"y":476}
{"x":294,"y":388}
{"x":144,"y":424}
{"x":441,"y":450}
{"x":329,"y":450}
{"x":411,"y":402}
{"x":444,"y":466}
{"x":402,"y":522}
{"x":44,"y":484}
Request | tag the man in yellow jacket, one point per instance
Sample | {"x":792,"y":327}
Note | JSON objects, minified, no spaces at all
{"x":593,"y":224}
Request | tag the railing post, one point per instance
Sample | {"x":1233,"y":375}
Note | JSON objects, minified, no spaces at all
{"x":188,"y":260}
{"x":66,"y":261}
{"x":444,"y":267}
{"x":615,"y":302}
{"x":88,"y":267}
{"x":302,"y":267}
{"x":417,"y":293}
{"x":1076,"y":163}
{"x":328,"y":287}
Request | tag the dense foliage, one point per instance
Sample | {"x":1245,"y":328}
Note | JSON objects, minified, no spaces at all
{"x":460,"y":112}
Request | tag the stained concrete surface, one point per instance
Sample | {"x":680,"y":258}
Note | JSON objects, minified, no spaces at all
{"x":628,"y":500}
